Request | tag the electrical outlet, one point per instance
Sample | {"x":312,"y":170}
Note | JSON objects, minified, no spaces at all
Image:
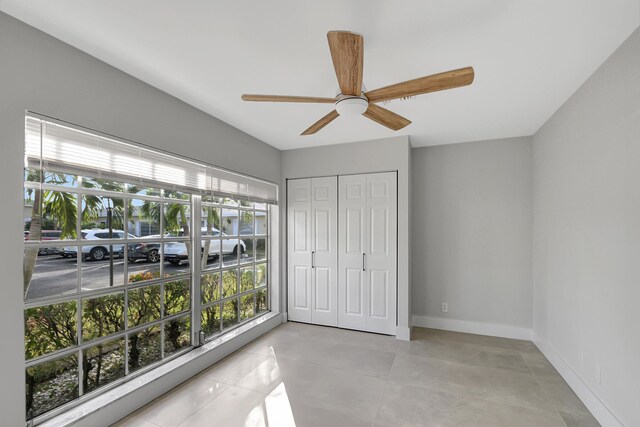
{"x":597,"y":375}
{"x":445,"y":307}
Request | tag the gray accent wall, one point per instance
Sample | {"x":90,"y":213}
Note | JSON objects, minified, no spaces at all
{"x":471,"y":241}
{"x":586,"y":256}
{"x":42,"y":74}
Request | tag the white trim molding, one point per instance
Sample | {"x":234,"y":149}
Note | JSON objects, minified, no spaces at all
{"x":471,"y":327}
{"x":594,"y":404}
{"x":403,"y":333}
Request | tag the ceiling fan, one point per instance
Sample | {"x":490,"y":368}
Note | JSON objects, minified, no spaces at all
{"x":347,"y":52}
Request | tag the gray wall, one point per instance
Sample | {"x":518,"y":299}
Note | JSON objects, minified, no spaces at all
{"x":361,"y":157}
{"x":42,"y":74}
{"x":471,"y":242}
{"x":586,"y":258}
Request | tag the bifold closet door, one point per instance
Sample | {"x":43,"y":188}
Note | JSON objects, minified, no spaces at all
{"x":324,"y":254}
{"x":312,"y":250}
{"x":367,"y":249}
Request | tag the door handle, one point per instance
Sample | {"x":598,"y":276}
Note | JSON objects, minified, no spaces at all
{"x":363,"y":261}
{"x":313,"y":259}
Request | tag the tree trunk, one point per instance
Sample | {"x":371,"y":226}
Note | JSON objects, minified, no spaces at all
{"x":174,"y":334}
{"x":31,"y":252}
{"x":99,"y":367}
{"x":205,"y":252}
{"x":134,"y":353}
{"x":31,"y":388}
{"x":207,"y":243}
{"x":86,"y":367}
{"x":185,"y":229}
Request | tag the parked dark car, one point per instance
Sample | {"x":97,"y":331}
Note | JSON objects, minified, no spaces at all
{"x":47,"y":235}
{"x":149,"y":251}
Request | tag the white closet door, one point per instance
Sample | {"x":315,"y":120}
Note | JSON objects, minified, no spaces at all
{"x":367,"y":252}
{"x":324,"y":284}
{"x":351,"y":248}
{"x":381,"y":253}
{"x":299,"y":249}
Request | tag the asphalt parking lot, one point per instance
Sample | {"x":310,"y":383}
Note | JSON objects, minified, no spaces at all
{"x":55,"y":275}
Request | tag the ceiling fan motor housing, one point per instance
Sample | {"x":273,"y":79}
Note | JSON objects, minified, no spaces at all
{"x":352,"y":105}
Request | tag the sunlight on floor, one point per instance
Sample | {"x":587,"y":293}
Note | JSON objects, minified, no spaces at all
{"x":279,"y":411}
{"x":275,"y":410}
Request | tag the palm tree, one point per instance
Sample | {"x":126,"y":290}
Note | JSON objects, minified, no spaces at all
{"x":176,"y":219}
{"x":150,"y":211}
{"x":60,"y":207}
{"x":212,"y":216}
{"x":97,"y":202}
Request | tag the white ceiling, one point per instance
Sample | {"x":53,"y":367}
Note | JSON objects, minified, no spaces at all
{"x":529,"y":57}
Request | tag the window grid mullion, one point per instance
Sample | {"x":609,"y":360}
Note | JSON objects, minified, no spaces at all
{"x":163,"y":232}
{"x":196,"y":268}
{"x":99,"y":292}
{"x":79,"y":201}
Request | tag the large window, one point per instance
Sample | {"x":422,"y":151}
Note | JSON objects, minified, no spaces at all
{"x":124,"y":271}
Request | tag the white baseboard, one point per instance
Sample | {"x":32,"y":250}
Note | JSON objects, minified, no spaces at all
{"x":594,"y":404}
{"x":403,"y":333}
{"x":285,"y":317}
{"x":470,"y":327}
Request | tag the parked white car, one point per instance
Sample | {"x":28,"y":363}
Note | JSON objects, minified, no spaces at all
{"x":99,"y":251}
{"x":174,"y":252}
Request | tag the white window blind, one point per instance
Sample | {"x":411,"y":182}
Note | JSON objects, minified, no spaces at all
{"x":57,"y":146}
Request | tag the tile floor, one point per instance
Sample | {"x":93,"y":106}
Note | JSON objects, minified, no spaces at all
{"x":308,"y":375}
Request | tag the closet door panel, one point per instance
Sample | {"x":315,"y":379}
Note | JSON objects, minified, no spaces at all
{"x":351,"y":247}
{"x":322,"y":230}
{"x":299,"y":247}
{"x":301,"y":242}
{"x":301,"y":286}
{"x":379,"y":231}
{"x":381,"y":217}
{"x":378,"y":297}
{"x":323,"y":296}
{"x":354,"y":292}
{"x":354,"y":227}
{"x":325,"y":249}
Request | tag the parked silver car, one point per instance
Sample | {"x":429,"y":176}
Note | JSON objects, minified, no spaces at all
{"x":174,"y":252}
{"x":99,"y":251}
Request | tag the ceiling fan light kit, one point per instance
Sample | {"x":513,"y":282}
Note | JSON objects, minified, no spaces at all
{"x":352,"y":106}
{"x":347,"y":53}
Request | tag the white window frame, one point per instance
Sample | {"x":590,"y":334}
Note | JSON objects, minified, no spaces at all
{"x":273,"y":310}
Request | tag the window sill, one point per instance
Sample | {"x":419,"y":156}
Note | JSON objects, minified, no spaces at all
{"x":181,"y":369}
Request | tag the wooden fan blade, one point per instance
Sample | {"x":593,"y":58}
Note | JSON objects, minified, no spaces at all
{"x":385,"y":117}
{"x":347,"y":52}
{"x":321,"y":123}
{"x":285,"y":98}
{"x":433,"y":83}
